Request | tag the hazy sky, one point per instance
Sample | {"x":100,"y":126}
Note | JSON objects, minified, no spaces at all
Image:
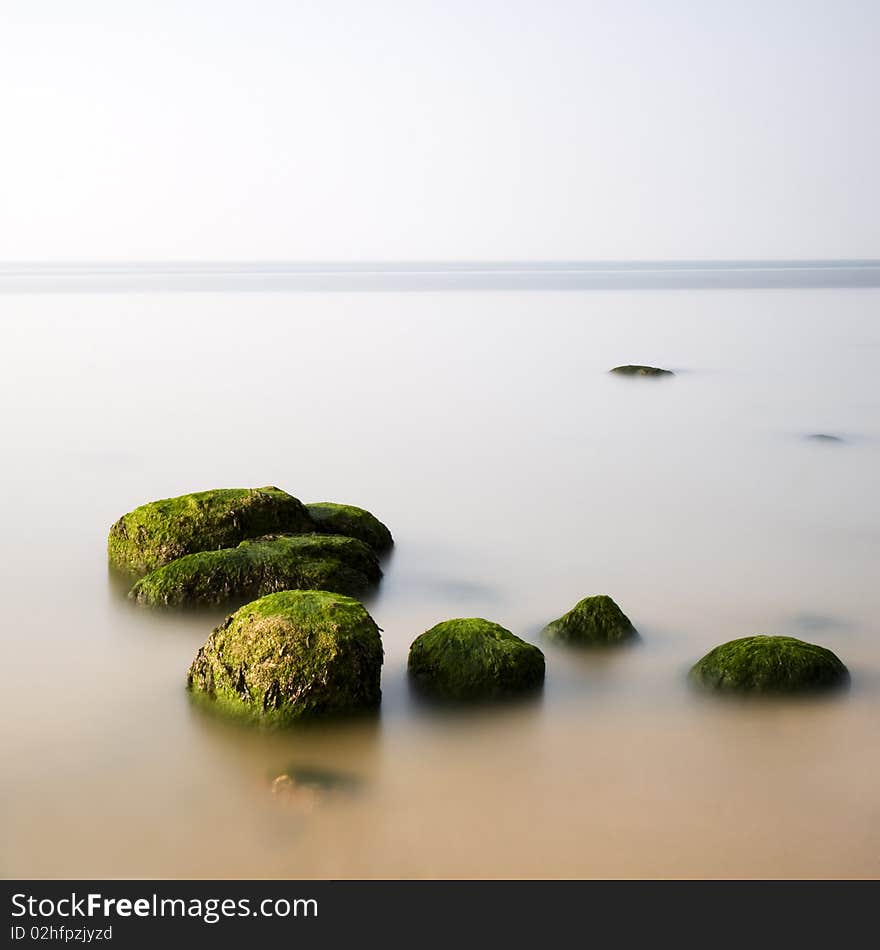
{"x":367,"y":129}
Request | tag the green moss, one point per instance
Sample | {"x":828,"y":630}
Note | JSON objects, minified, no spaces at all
{"x":473,"y":659}
{"x":351,"y":521}
{"x":769,"y":665}
{"x":161,"y":531}
{"x":593,"y":621}
{"x":636,"y":370}
{"x":261,"y":566}
{"x":291,"y":656}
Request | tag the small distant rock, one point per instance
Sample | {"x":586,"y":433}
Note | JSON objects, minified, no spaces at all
{"x":824,"y":437}
{"x":634,"y":370}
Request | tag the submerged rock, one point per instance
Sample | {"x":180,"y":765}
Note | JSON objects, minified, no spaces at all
{"x":769,"y":665}
{"x":636,"y":370}
{"x":304,"y":789}
{"x":162,"y":531}
{"x":300,"y":796}
{"x":593,"y":621}
{"x":262,"y":566}
{"x":352,"y":522}
{"x":471,"y":659}
{"x":324,"y":779}
{"x":291,"y":656}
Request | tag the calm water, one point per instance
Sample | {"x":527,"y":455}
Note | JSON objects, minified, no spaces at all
{"x":517,"y":476}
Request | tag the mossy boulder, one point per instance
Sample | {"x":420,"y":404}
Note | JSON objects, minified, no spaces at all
{"x":473,"y":659}
{"x":636,"y":370}
{"x":291,"y":656}
{"x":262,"y":566}
{"x":162,"y":531}
{"x":351,"y":521}
{"x":764,"y":664}
{"x":593,"y":621}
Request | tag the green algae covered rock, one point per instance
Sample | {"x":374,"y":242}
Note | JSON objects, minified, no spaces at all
{"x":161,"y":531}
{"x":473,"y":659}
{"x":351,"y":521}
{"x":291,"y":656}
{"x":635,"y":370}
{"x":593,"y":621}
{"x":261,"y":566}
{"x":769,"y":665}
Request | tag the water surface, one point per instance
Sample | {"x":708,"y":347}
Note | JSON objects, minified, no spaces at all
{"x":517,"y":476}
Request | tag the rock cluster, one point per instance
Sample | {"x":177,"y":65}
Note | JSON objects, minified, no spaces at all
{"x":304,"y":648}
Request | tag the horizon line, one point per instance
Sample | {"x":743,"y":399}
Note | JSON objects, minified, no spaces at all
{"x":436,"y":275}
{"x":386,"y":264}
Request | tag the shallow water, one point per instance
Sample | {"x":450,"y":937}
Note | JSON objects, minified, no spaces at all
{"x":517,"y":476}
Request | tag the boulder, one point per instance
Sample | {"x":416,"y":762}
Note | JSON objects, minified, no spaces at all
{"x":291,"y":656}
{"x":162,"y":531}
{"x":352,"y":522}
{"x":473,"y":659}
{"x":261,"y":566}
{"x":764,"y":664}
{"x":593,"y":621}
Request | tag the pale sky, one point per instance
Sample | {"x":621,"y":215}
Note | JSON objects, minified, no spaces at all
{"x":461,"y":129}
